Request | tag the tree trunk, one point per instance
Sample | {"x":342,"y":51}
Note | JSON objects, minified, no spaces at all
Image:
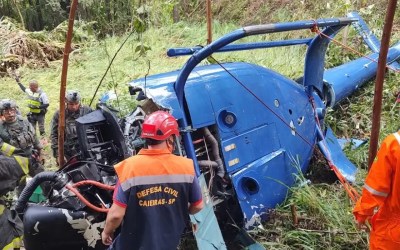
{"x":30,"y":16}
{"x":39,"y":14}
{"x":20,"y":14}
{"x":108,"y":10}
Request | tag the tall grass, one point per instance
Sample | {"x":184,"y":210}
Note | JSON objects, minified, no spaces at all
{"x":324,"y":220}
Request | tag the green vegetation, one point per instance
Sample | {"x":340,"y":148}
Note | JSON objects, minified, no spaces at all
{"x":324,"y":220}
{"x":324,"y":211}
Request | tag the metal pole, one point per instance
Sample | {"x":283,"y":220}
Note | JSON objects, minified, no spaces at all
{"x":209,"y":31}
{"x":380,"y":75}
{"x":67,"y":50}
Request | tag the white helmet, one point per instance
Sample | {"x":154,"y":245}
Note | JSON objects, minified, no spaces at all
{"x":73,"y":96}
{"x":7,"y":104}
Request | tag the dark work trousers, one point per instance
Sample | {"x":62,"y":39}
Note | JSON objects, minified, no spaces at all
{"x":39,"y":119}
{"x":11,"y":228}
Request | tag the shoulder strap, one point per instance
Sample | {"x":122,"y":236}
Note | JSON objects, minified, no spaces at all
{"x":21,"y":122}
{"x":81,"y":111}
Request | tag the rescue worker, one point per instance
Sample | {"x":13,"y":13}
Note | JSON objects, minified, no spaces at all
{"x":13,"y":169}
{"x":380,"y":200}
{"x":155,"y":193}
{"x":19,"y":133}
{"x":16,"y":130}
{"x":38,"y":102}
{"x":74,"y":109}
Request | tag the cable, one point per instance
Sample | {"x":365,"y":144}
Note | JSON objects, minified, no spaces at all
{"x":316,"y":30}
{"x":262,"y":102}
{"x":353,"y":194}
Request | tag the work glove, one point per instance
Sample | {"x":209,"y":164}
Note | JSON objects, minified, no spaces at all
{"x":37,"y":156}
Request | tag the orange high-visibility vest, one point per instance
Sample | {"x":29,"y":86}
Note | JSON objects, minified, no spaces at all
{"x":382,"y":191}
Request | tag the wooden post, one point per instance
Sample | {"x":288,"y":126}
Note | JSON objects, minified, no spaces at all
{"x":209,"y":28}
{"x":295,"y":219}
{"x":380,"y":75}
{"x":67,"y":50}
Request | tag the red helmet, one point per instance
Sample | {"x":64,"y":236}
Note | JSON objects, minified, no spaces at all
{"x":159,"y":126}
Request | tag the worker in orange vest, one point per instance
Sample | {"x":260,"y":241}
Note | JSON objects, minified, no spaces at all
{"x":155,"y":193}
{"x":379,"y":204}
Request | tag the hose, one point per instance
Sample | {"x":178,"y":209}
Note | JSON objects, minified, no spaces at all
{"x":207,"y":163}
{"x":30,"y":188}
{"x":73,"y":189}
{"x":215,"y":150}
{"x":85,"y":201}
{"x":51,"y":176}
{"x":94,"y":183}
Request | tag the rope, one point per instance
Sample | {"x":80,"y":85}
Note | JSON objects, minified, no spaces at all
{"x":352,"y":192}
{"x":315,"y":29}
{"x":263,"y":103}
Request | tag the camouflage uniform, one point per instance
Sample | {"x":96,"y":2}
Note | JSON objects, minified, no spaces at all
{"x":71,"y":146}
{"x":21,"y":135}
{"x":13,"y":168}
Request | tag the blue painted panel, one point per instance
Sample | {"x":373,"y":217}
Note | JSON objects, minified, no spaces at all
{"x":251,"y":145}
{"x":208,"y":234}
{"x":275,"y":91}
{"x":199,"y":103}
{"x":228,"y":95}
{"x":352,"y":142}
{"x":261,"y":133}
{"x":330,"y":147}
{"x":263,"y":184}
{"x":293,"y":117}
{"x":347,"y":78}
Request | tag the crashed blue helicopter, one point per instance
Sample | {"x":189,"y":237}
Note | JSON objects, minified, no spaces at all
{"x":248,"y":129}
